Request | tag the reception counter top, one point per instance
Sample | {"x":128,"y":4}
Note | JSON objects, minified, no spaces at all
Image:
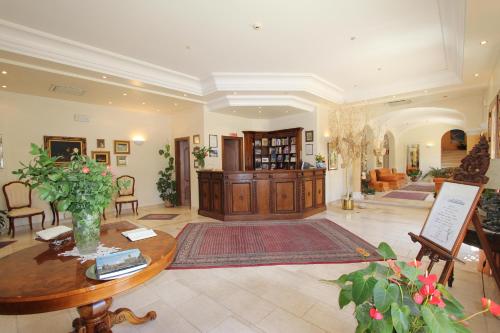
{"x":261,"y":194}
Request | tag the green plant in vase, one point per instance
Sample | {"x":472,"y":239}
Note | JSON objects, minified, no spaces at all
{"x":200,"y":153}
{"x":400,"y":297}
{"x":165,"y":184}
{"x":83,"y":187}
{"x":320,"y":161}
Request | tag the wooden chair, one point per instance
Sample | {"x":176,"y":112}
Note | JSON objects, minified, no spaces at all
{"x":18,"y":198}
{"x":126,"y":195}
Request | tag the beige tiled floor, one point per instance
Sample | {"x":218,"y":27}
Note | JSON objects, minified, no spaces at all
{"x":260,"y":299}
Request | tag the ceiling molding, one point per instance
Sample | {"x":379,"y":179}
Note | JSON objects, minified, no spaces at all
{"x":261,"y":100}
{"x":281,"y":82}
{"x":34,"y":43}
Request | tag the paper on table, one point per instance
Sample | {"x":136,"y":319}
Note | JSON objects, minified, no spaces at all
{"x":138,"y":234}
{"x":51,"y":233}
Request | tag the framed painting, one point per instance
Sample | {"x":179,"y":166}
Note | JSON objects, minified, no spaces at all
{"x":309,"y":136}
{"x":2,"y":163}
{"x":122,"y":147}
{"x":102,"y":157}
{"x":196,"y":139}
{"x":101,"y":144}
{"x":64,"y":146}
{"x":212,"y":141}
{"x":121,"y":161}
{"x":333,"y":161}
{"x":309,"y":149}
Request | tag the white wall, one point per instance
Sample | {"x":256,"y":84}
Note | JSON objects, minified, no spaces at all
{"x":26,"y":119}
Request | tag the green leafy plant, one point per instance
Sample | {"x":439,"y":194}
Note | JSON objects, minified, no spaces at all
{"x":165,"y":184}
{"x":319,"y":158}
{"x":3,"y":220}
{"x":82,"y":186}
{"x":200,"y":153}
{"x":414,"y":174}
{"x":439,"y":172}
{"x":398,"y":297}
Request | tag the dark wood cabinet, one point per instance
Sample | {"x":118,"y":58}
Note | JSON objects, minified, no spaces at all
{"x":261,"y":195}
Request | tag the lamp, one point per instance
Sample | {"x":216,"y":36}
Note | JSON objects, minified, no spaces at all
{"x":138,"y":139}
{"x":491,"y":200}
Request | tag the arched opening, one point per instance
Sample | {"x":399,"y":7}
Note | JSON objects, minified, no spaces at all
{"x":453,"y":148}
{"x":367,"y":157}
{"x":389,"y":150}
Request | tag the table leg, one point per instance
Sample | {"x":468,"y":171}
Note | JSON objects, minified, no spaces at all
{"x":96,"y":317}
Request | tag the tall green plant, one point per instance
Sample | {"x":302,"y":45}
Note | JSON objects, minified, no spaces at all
{"x":166,"y":185}
{"x":82,"y":186}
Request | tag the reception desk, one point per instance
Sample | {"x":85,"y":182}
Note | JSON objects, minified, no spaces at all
{"x":261,"y":195}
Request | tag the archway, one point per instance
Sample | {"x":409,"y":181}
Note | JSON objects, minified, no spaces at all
{"x":390,"y":151}
{"x":453,"y":148}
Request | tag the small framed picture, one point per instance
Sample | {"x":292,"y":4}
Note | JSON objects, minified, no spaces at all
{"x":195,"y":164}
{"x":101,"y":144}
{"x":332,"y":157}
{"x":196,"y":139}
{"x":213,"y":153}
{"x":265,"y":142}
{"x":121,"y":161}
{"x":309,"y":149}
{"x":122,"y":147}
{"x":309,"y":136}
{"x":101,"y":157}
{"x":212,"y":141}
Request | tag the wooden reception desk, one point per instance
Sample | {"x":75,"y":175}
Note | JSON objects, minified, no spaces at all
{"x":261,"y":195}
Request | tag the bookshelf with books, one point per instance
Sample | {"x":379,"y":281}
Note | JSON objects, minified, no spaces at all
{"x":273,"y":150}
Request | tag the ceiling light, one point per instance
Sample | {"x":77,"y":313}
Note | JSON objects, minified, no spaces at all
{"x":234,"y":111}
{"x":4,"y":72}
{"x":158,"y":110}
{"x":476,"y":75}
{"x":143,"y":103}
{"x":426,"y":91}
{"x":353,"y":37}
{"x":484,"y":42}
{"x":110,"y":102}
{"x":393,"y":96}
{"x":175,"y":104}
{"x":4,"y":86}
{"x":379,"y":68}
{"x":260,"y":111}
{"x":185,"y":95}
{"x":257,"y":26}
{"x":286,"y":111}
{"x":124,"y":94}
{"x":104,"y":77}
{"x":235,"y":93}
{"x":260,"y":107}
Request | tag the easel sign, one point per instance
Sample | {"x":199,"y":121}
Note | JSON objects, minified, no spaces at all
{"x":450,"y":215}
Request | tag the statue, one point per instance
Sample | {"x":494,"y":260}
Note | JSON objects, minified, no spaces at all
{"x":474,"y":166}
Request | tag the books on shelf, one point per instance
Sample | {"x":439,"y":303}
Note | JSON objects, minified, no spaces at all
{"x":138,"y":234}
{"x":119,"y":263}
{"x":265,"y":142}
{"x":258,"y":143}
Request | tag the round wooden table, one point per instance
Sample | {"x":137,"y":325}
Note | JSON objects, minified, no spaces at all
{"x":36,"y":280}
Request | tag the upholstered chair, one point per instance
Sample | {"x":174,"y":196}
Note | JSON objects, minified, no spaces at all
{"x":376,"y":184}
{"x":385,"y":175}
{"x":18,"y":198}
{"x":126,"y":194}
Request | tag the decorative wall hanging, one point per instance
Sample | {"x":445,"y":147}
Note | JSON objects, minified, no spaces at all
{"x":332,"y":157}
{"x":212,"y":141}
{"x":64,"y":146}
{"x":309,"y":136}
{"x":121,"y":161}
{"x":122,"y":146}
{"x":2,"y":163}
{"x":101,"y":144}
{"x":102,"y":157}
{"x":309,"y":149}
{"x":196,"y":139}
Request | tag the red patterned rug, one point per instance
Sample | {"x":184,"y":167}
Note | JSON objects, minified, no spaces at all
{"x":4,"y":244}
{"x":419,"y":188}
{"x":235,"y":244}
{"x":407,"y":195}
{"x":159,"y":217}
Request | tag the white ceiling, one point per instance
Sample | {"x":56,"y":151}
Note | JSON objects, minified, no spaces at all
{"x":323,"y":51}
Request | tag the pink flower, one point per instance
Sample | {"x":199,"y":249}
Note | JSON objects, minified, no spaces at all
{"x":104,"y":173}
{"x":427,"y":279}
{"x":418,"y":298}
{"x":427,"y":290}
{"x":375,"y":314}
{"x":492,"y":306}
{"x":415,"y":263}
{"x":85,"y":169}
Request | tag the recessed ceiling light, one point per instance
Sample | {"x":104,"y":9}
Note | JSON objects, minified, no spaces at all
{"x":393,"y":96}
{"x":260,"y":107}
{"x":4,"y":72}
{"x":110,"y":102}
{"x":175,"y":104}
{"x":235,"y":93}
{"x":426,"y":91}
{"x":124,"y":94}
{"x":234,"y":111}
{"x":104,"y":77}
{"x":143,"y":103}
{"x":257,"y":26}
{"x":476,"y":75}
{"x":4,"y":86}
{"x":484,"y":42}
{"x":379,"y":68}
{"x":286,"y":111}
{"x":260,"y":111}
{"x":353,"y":38}
{"x":185,"y":95}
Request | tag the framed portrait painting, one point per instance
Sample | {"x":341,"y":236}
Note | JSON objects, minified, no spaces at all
{"x":64,"y":146}
{"x":101,"y":144}
{"x":101,"y":157}
{"x":122,"y":147}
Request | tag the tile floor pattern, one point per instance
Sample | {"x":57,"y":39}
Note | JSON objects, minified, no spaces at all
{"x":275,"y":299}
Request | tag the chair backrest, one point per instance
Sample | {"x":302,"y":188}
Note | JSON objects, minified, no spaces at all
{"x":129,"y":189}
{"x":17,"y":195}
{"x":384,"y":172}
{"x":373,"y":176}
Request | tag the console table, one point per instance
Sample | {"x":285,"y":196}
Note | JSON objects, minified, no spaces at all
{"x":36,"y":280}
{"x":261,"y":194}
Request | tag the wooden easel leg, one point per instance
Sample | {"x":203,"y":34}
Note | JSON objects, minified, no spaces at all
{"x":485,"y":245}
{"x":446,"y":272}
{"x":452,"y":277}
{"x":420,"y":254}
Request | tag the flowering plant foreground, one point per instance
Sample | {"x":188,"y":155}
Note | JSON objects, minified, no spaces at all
{"x":400,"y":297}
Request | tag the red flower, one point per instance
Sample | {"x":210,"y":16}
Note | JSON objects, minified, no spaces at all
{"x":104,"y":173}
{"x":418,"y":298}
{"x":492,"y":306}
{"x":375,"y":314}
{"x":427,"y":290}
{"x":427,"y":279}
{"x":85,"y":169}
{"x":415,"y":263}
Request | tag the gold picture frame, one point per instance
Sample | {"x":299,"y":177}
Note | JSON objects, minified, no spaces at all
{"x":102,"y":157}
{"x":121,"y":147}
{"x":333,"y":158}
{"x":63,"y":147}
{"x":196,"y":139}
{"x":121,"y":161}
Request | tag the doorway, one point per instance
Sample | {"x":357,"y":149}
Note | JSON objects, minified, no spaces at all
{"x":453,"y":148}
{"x":232,"y":153}
{"x":183,"y":171}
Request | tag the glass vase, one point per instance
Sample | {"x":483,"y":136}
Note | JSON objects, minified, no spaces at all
{"x":86,"y":231}
{"x":201,"y":164}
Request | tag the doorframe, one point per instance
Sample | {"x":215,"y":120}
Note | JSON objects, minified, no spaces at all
{"x":177,"y":168}
{"x":240,"y":157}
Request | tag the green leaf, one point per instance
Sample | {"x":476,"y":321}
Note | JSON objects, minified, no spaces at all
{"x":362,"y":314}
{"x":386,"y":251}
{"x":459,"y":328}
{"x":400,"y":317}
{"x":362,"y":288}
{"x":409,"y":271}
{"x":382,"y":326}
{"x":384,"y":294}
{"x":449,"y":297}
{"x":436,"y":319}
{"x":345,"y":296}
{"x":410,"y":303}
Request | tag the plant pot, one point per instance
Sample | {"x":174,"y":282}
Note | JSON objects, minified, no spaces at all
{"x":201,"y":164}
{"x":168,"y":204}
{"x":347,"y":204}
{"x":414,"y":178}
{"x":438,"y":183}
{"x":86,"y":231}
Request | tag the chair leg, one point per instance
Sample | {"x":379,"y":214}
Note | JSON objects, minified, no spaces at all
{"x":137,"y":208}
{"x":10,"y":225}
{"x":53,"y":213}
{"x":43,"y":220}
{"x":11,"y":221}
{"x":120,"y":208}
{"x":104,"y":215}
{"x":116,"y":208}
{"x":31,"y":223}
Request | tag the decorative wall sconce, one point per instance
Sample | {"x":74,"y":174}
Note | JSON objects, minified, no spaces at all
{"x":138,"y":139}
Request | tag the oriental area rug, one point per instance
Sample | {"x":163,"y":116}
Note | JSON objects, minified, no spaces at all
{"x":419,"y":188}
{"x":407,"y":195}
{"x":260,"y":243}
{"x":4,"y":244}
{"x":159,"y":217}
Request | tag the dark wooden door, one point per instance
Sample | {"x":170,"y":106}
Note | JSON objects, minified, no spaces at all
{"x":183,"y":171}
{"x":232,"y":153}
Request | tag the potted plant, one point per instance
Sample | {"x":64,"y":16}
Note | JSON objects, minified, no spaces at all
{"x":165,"y":184}
{"x":199,"y":154}
{"x":3,"y":220}
{"x":320,"y":161}
{"x":439,"y":175}
{"x":399,"y":297}
{"x":414,"y":174}
{"x":83,"y":187}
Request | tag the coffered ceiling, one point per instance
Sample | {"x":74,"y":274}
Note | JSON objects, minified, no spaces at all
{"x":301,"y":53}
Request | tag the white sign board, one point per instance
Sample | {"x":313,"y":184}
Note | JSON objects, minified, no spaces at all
{"x":449,"y":213}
